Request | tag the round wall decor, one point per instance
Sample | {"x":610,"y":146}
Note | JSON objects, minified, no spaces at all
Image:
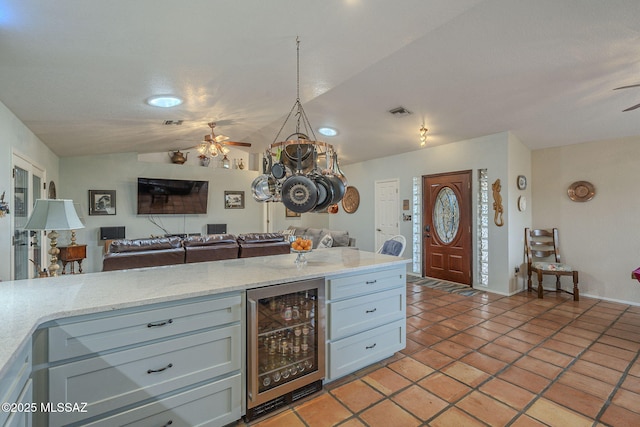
{"x":522,"y":182}
{"x":581,"y":191}
{"x":351,"y":199}
{"x":522,"y":203}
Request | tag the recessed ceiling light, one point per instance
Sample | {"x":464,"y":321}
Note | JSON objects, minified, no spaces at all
{"x":164,"y":101}
{"x":328,"y":131}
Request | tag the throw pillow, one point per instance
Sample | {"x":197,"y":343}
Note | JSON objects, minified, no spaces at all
{"x":326,"y":241}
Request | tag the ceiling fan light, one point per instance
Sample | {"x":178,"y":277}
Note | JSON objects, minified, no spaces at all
{"x":224,"y":150}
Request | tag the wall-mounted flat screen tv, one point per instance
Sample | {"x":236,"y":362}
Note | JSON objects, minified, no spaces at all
{"x":172,"y":196}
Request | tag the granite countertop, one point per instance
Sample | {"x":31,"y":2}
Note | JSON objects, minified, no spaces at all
{"x":29,"y":303}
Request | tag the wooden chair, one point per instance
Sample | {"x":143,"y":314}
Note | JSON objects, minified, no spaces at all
{"x":543,"y":258}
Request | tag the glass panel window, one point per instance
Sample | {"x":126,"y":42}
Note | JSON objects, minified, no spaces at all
{"x":446,"y":215}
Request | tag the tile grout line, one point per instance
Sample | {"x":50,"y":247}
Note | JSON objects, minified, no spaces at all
{"x":623,"y":377}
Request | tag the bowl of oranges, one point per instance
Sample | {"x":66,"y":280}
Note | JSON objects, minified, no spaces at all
{"x":300,"y":245}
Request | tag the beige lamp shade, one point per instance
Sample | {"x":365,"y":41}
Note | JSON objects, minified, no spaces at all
{"x":55,"y":214}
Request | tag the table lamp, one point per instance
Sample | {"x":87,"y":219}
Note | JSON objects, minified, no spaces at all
{"x":53,"y":214}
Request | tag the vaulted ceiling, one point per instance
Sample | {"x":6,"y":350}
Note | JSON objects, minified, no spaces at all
{"x":77,"y":73}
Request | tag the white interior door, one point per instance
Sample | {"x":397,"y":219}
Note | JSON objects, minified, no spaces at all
{"x":387,"y":210}
{"x":27,"y":245}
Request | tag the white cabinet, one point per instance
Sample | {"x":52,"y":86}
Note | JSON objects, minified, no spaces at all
{"x":16,"y":391}
{"x":180,"y":362}
{"x":366,"y":319}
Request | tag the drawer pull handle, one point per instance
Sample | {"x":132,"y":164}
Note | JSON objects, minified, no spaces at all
{"x":371,"y":311}
{"x":155,"y":325}
{"x":370,"y":282}
{"x":369,"y":347}
{"x":152,"y":371}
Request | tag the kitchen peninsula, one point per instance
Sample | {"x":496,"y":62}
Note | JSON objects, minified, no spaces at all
{"x":91,"y":300}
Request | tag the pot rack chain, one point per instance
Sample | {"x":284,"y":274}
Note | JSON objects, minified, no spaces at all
{"x":300,"y":113}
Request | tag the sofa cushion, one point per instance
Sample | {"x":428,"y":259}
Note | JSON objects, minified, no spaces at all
{"x":140,"y":245}
{"x":211,"y":247}
{"x":208,"y":240}
{"x":340,"y":238}
{"x":260,"y":238}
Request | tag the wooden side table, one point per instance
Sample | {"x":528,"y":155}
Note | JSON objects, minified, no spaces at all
{"x":71,"y":254}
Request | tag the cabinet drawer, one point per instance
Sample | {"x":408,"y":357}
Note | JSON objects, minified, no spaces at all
{"x":350,"y":316}
{"x":214,"y":404}
{"x":360,"y":284}
{"x":23,"y":418}
{"x":350,"y":354}
{"x":87,"y":336}
{"x":125,"y":377}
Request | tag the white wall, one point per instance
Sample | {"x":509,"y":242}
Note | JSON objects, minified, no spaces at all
{"x":492,"y":152}
{"x":600,"y":238}
{"x":120,"y":172}
{"x":519,"y":164}
{"x":16,"y":138}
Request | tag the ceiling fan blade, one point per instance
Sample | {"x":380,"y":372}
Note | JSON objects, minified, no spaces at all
{"x":240,"y":144}
{"x":632,"y":108}
{"x":627,"y":87}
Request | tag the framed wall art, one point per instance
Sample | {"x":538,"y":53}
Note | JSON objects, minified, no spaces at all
{"x":291,"y":214}
{"x":234,"y":199}
{"x":102,"y":202}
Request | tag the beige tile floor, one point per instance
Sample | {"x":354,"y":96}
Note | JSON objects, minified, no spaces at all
{"x":492,"y":360}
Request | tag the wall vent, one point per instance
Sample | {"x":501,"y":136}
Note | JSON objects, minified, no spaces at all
{"x":172,"y":122}
{"x":400,"y":111}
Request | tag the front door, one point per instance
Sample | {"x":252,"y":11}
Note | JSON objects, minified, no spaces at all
{"x":447,"y":226}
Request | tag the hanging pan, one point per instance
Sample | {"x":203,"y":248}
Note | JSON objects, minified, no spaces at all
{"x":299,"y":194}
{"x":298,"y":155}
{"x":263,"y":187}
{"x":278,"y":170}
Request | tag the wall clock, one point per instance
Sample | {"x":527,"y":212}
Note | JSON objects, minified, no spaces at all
{"x":522,"y":182}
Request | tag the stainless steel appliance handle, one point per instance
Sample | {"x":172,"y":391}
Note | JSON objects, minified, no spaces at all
{"x":252,"y":341}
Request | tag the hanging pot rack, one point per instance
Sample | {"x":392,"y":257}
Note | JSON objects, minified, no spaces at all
{"x":308,"y":187}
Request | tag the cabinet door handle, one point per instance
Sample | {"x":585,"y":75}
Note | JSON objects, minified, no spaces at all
{"x":371,"y":311}
{"x":370,"y":282}
{"x":168,"y":423}
{"x":151,"y":371}
{"x":155,"y":325}
{"x":369,"y":347}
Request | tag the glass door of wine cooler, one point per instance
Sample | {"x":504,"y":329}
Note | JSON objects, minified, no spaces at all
{"x":285,"y":339}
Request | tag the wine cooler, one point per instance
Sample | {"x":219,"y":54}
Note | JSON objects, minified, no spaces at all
{"x":285,"y":344}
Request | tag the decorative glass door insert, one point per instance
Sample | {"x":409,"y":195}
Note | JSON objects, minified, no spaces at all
{"x":446,"y":215}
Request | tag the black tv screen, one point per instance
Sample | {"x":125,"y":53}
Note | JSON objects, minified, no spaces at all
{"x":172,"y":196}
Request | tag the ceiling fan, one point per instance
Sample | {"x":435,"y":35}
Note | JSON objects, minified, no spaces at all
{"x":214,"y":144}
{"x":628,"y":87}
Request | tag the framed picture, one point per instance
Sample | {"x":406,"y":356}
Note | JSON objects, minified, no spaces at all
{"x":102,"y":202}
{"x":291,"y":214}
{"x":234,"y":199}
